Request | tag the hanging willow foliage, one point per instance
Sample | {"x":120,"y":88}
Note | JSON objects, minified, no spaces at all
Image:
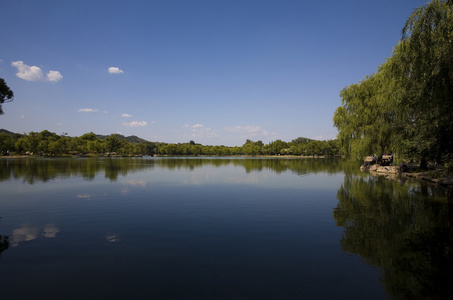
{"x":406,"y":107}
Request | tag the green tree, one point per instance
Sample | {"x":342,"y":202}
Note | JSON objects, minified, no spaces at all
{"x":300,"y":141}
{"x":113,"y":143}
{"x":59,"y":146}
{"x":333,"y":148}
{"x":139,"y":148}
{"x":364,"y":119}
{"x":89,"y":137}
{"x":294,"y":150}
{"x":151,"y":148}
{"x":95,"y":146}
{"x":6,"y":95}
{"x":423,"y":65}
{"x":78,"y":145}
{"x":21,"y":145}
{"x":406,"y":106}
{"x":6,"y":143}
{"x":45,"y":137}
{"x":252,"y":148}
{"x":277,"y":146}
{"x":28,"y":142}
{"x":196,"y":149}
{"x":312,"y":148}
{"x":126,"y":147}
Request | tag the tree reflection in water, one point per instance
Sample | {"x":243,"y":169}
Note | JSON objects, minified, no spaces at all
{"x":4,"y":243}
{"x":405,"y":230}
{"x":31,"y":170}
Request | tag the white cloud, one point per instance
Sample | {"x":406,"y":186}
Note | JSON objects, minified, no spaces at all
{"x":115,"y":70}
{"x":200,"y":131}
{"x":247,"y":130}
{"x":54,"y":76}
{"x":197,"y":126}
{"x":126,"y":115}
{"x":87,"y":110}
{"x":34,"y":73}
{"x":135,"y":124}
{"x":26,"y":72}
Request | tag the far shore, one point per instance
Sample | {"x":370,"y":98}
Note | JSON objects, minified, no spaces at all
{"x":160,"y":155}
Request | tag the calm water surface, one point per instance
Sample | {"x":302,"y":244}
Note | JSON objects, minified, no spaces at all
{"x":191,"y":228}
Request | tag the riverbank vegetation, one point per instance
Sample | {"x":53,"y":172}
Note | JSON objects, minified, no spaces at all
{"x":406,"y":106}
{"x":47,"y":143}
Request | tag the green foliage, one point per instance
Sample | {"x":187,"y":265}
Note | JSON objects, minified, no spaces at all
{"x":6,"y":142}
{"x":406,"y":106}
{"x":6,"y":95}
{"x":250,"y":148}
{"x":113,"y":144}
{"x":50,"y":144}
{"x":364,"y":119}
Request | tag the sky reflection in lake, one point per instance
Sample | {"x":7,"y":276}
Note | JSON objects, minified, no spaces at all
{"x":161,"y":228}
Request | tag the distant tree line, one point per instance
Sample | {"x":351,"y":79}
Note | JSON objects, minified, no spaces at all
{"x":406,"y":106}
{"x":51,"y":144}
{"x":297,"y":147}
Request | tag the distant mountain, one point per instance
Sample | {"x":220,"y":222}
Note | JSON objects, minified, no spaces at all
{"x":7,"y":132}
{"x":131,"y":139}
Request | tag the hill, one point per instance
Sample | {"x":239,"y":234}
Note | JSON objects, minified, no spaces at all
{"x":131,"y":139}
{"x":7,"y":132}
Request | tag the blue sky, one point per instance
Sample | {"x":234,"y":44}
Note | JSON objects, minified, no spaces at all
{"x":214,"y":71}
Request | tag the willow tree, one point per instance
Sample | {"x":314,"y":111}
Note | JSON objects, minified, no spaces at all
{"x":406,"y":107}
{"x":423,"y":65}
{"x":364,"y":118}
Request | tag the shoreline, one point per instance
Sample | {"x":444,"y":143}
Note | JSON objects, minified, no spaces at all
{"x":436,"y":176}
{"x":163,"y":155}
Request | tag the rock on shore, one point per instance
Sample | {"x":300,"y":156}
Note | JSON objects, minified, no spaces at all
{"x":431,"y":176}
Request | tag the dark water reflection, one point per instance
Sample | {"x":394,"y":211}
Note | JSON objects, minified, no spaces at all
{"x":219,"y":228}
{"x":404,"y":229}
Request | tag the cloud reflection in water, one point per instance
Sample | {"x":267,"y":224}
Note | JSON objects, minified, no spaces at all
{"x":28,"y":233}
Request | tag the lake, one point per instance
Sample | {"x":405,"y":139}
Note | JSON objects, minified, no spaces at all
{"x":219,"y":228}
